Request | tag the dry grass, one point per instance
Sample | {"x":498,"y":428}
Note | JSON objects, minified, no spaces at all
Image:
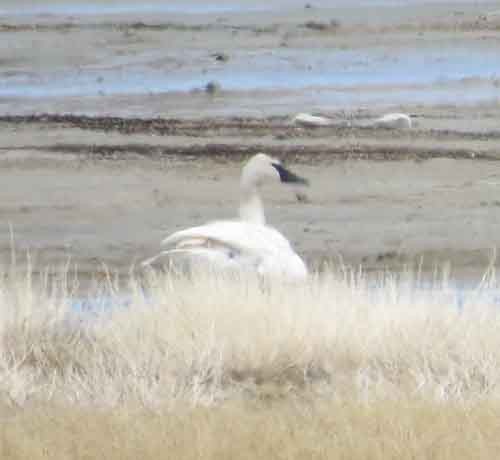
{"x":219,"y":367}
{"x":213,"y":337}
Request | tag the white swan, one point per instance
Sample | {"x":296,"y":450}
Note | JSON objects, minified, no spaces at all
{"x":248,"y":243}
{"x":311,"y":121}
{"x":394,"y":121}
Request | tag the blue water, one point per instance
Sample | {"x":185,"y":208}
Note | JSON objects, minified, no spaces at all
{"x":458,"y":295}
{"x":99,"y":304}
{"x":91,"y":9}
{"x":190,"y":7}
{"x":285,"y":69}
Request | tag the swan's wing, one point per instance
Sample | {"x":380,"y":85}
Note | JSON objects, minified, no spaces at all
{"x":215,"y":256}
{"x":234,"y":242}
{"x":238,"y":235}
{"x":223,"y":244}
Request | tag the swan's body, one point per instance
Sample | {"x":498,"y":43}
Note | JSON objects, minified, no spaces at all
{"x":247,"y":244}
{"x":311,"y":121}
{"x":394,"y":121}
{"x":238,"y":245}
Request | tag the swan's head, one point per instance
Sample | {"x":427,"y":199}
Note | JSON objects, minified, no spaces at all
{"x":262,"y":168}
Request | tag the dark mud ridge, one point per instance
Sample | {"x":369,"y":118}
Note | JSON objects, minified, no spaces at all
{"x":297,"y":153}
{"x":280,"y":127}
{"x":136,"y":25}
{"x":333,"y":26}
{"x":236,"y":137}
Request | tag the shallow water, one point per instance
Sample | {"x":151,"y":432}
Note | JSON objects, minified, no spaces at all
{"x":98,"y":304}
{"x":190,"y":7}
{"x":466,"y":73}
{"x":96,"y":9}
{"x":455,"y":294}
{"x":427,"y":71}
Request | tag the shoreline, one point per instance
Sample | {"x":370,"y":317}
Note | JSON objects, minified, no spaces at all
{"x":107,"y":190}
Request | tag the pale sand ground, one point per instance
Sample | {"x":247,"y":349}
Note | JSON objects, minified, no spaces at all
{"x":115,"y":208}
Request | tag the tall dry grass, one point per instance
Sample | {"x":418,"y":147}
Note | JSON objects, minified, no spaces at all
{"x":206,"y":338}
{"x":343,"y":366}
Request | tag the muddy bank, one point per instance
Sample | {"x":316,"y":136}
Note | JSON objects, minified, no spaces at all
{"x":112,"y":194}
{"x":458,"y":134}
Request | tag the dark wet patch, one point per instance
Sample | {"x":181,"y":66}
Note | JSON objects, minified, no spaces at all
{"x":136,"y":25}
{"x":298,"y":153}
{"x":332,"y":143}
{"x":279,"y":127}
{"x":322,"y":26}
{"x":314,"y":26}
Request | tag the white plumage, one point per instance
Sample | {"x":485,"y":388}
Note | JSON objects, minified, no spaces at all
{"x":311,"y":121}
{"x":394,"y":121}
{"x":243,"y":245}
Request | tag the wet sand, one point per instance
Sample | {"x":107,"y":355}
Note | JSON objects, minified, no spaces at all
{"x":105,"y":188}
{"x":270,"y":62}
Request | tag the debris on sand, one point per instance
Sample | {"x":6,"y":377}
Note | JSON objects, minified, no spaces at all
{"x":302,"y":197}
{"x":212,"y":87}
{"x":311,"y":121}
{"x":322,"y":26}
{"x":393,"y":121}
{"x":220,"y":57}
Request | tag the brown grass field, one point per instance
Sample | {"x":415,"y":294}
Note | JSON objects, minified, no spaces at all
{"x":342,"y":366}
{"x":282,"y":429}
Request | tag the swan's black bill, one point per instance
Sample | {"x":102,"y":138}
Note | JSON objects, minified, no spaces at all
{"x":288,"y":176}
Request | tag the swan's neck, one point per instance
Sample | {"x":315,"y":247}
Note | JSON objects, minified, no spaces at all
{"x":251,"y":209}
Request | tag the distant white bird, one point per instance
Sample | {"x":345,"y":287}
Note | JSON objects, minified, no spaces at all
{"x":247,"y":244}
{"x":394,"y":121}
{"x":311,"y":121}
